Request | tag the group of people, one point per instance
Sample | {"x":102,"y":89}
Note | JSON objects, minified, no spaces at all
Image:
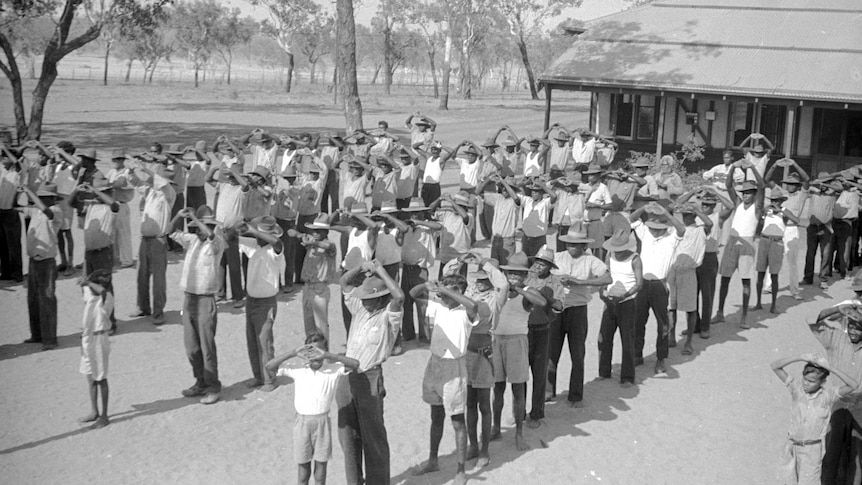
{"x":367,"y":212}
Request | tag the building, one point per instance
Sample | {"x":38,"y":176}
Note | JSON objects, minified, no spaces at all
{"x":720,"y":70}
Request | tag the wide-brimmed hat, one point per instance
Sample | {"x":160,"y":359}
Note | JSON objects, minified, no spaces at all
{"x":479,"y":274}
{"x":546,"y":255}
{"x":575,"y":236}
{"x":87,"y":153}
{"x":564,"y":181}
{"x":585,"y":132}
{"x":748,"y":186}
{"x":657,"y":223}
{"x":267,"y":224}
{"x":463,"y":199}
{"x":118,"y":153}
{"x":320,"y":222}
{"x":196,"y":150}
{"x":836,"y":186}
{"x":435,"y":145}
{"x":206,"y":215}
{"x":517,"y":262}
{"x":792,"y":179}
{"x":387,"y":161}
{"x":388,"y":207}
{"x":421,"y":122}
{"x":174,"y":149}
{"x":640,"y":164}
{"x":621,"y":240}
{"x":777,"y":193}
{"x":856,"y":284}
{"x":490,"y":143}
{"x":593,"y":168}
{"x":687,"y":208}
{"x":562,"y":136}
{"x":416,"y":205}
{"x":403,"y":153}
{"x":359,"y":208}
{"x":47,"y":189}
{"x":758,"y":149}
{"x":261,"y":172}
{"x":510,"y":142}
{"x":372,"y":287}
{"x":470,"y":151}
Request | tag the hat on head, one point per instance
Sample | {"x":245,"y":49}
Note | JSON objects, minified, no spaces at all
{"x":564,"y":181}
{"x":206,"y":215}
{"x":372,"y":287}
{"x":792,"y":179}
{"x":641,"y":163}
{"x":267,"y":224}
{"x":359,"y":208}
{"x":87,"y":153}
{"x":201,"y":146}
{"x":708,"y":198}
{"x":621,"y":240}
{"x":777,"y":193}
{"x":416,"y":205}
{"x":174,"y":149}
{"x":403,"y":153}
{"x":490,"y":143}
{"x":478,"y":275}
{"x":562,"y":136}
{"x":463,"y":199}
{"x":510,"y":142}
{"x":546,"y":255}
{"x":47,"y":189}
{"x":687,"y":208}
{"x":585,"y":132}
{"x":435,"y":145}
{"x":835,"y":185}
{"x":748,"y":186}
{"x":320,"y":222}
{"x":382,"y":160}
{"x":421,"y":122}
{"x":118,"y":153}
{"x":657,"y":223}
{"x":388,"y":207}
{"x":260,"y":171}
{"x":265,"y":137}
{"x":758,"y":149}
{"x":575,"y":236}
{"x":593,"y":168}
{"x":517,"y":262}
{"x":470,"y":151}
{"x":856,"y":285}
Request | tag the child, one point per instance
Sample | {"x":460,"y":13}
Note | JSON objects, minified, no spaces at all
{"x":811,"y":408}
{"x":536,"y":204}
{"x":417,"y":255}
{"x":317,"y":271}
{"x":458,"y":225}
{"x":682,"y":277}
{"x":315,"y":386}
{"x":358,"y":241}
{"x":95,"y":346}
{"x":444,"y":385}
{"x":505,"y":221}
{"x":770,"y":249}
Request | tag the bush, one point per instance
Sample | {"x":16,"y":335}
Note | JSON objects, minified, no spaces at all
{"x":689,"y":152}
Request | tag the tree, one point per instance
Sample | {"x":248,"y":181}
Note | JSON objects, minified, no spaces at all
{"x":525,"y":18}
{"x":232,"y":31}
{"x":59,"y":45}
{"x":149,"y":46}
{"x":428,"y":16}
{"x":390,"y":14}
{"x":315,"y":40}
{"x":139,"y":22}
{"x":346,"y":64}
{"x":196,"y":23}
{"x":286,"y":17}
{"x":475,"y":23}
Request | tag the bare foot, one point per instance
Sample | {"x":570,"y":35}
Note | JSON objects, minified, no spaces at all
{"x":687,"y":350}
{"x":743,"y":323}
{"x":772,"y":309}
{"x":757,"y":307}
{"x":495,"y":433}
{"x":100,"y":423}
{"x":718,"y":318}
{"x":429,"y":467}
{"x":460,"y":478}
{"x":576,"y":404}
{"x":472,"y":452}
{"x":626,"y":384}
{"x":521,"y":443}
{"x":483,"y":461}
{"x":659,"y":367}
{"x":89,"y":418}
{"x":534,"y":423}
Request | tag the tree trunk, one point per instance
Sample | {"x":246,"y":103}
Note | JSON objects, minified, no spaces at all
{"x":347,"y":65}
{"x":153,"y":70}
{"x":434,"y":73}
{"x":196,"y":75}
{"x":387,"y":60}
{"x":374,"y":78}
{"x":531,"y":79}
{"x":335,"y":84}
{"x":40,"y":95}
{"x":146,"y":68}
{"x":289,"y":72}
{"x":447,"y":65}
{"x":107,"y":56}
{"x":229,"y":62}
{"x":129,"y":69}
{"x":311,"y":72}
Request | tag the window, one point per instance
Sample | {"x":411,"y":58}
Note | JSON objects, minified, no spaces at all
{"x":634,"y":116}
{"x":772,"y":123}
{"x":839,"y":132}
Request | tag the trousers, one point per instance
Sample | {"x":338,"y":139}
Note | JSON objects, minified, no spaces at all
{"x":123,"y":235}
{"x":653,"y":295}
{"x":618,"y":316}
{"x":315,"y":308}
{"x":571,"y":325}
{"x":707,"y":273}
{"x":538,"y":338}
{"x":42,"y":300}
{"x":232,"y":263}
{"x":259,"y":317}
{"x":411,"y":276}
{"x":361,"y":430}
{"x":200,"y":318}
{"x":818,"y":235}
{"x":290,"y":244}
{"x":152,"y":262}
{"x":11,"y":264}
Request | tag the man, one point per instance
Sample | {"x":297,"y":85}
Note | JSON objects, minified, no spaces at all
{"x":756,"y":154}
{"x":124,"y":192}
{"x":330,"y":155}
{"x":536,"y":206}
{"x":196,"y":162}
{"x":666,"y":184}
{"x":431,"y":169}
{"x":158,"y":194}
{"x":263,"y":149}
{"x":577,"y":272}
{"x":11,"y":264}
{"x":560,"y":153}
{"x":660,"y":244}
{"x":422,"y":129}
{"x":820,"y":232}
{"x":845,"y":218}
{"x":740,"y":249}
{"x":796,"y":186}
{"x":231,"y":186}
{"x":418,"y":253}
{"x":583,"y":147}
{"x":376,"y":307}
{"x":717,"y":175}
{"x":538,"y":325}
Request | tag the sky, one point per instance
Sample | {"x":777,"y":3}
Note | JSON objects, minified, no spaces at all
{"x":589,"y":10}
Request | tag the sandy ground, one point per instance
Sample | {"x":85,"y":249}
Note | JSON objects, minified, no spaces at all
{"x":718,"y":416}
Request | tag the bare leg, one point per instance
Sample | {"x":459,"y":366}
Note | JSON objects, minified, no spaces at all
{"x":497,"y":408}
{"x":320,"y":473}
{"x":671,"y":335}
{"x":691,"y":322}
{"x":773,"y":308}
{"x":746,"y":297}
{"x":304,"y":473}
{"x":94,"y":411}
{"x":438,"y":416}
{"x":519,"y":408}
{"x":461,"y":447}
{"x":103,"y":418}
{"x":722,"y":296}
{"x":760,"y":276}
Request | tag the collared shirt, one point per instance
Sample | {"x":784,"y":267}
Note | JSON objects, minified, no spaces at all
{"x":97,"y":312}
{"x":262,"y":156}
{"x":99,"y":226}
{"x":690,"y":250}
{"x":330,"y":157}
{"x":455,"y":236}
{"x":42,"y":233}
{"x":585,"y":267}
{"x":513,"y":316}
{"x":319,"y":265}
{"x":469,"y":176}
{"x":197,"y":173}
{"x":285,"y":201}
{"x":599,"y":194}
{"x":548,"y":287}
{"x":535,"y":215}
{"x":559,"y":157}
{"x":407,"y":181}
{"x":622,"y":193}
{"x":840,"y":351}
{"x":583,"y":151}
{"x":158,"y":202}
{"x":424,"y":137}
{"x":230,"y":207}
{"x":809,"y":413}
{"x":419,"y":247}
{"x":671,"y":180}
{"x":124,"y":191}
{"x":10,"y":179}
{"x":798,"y":204}
{"x":451,"y":329}
{"x":718,"y":176}
{"x":505,"y":220}
{"x":371,"y":335}
{"x":660,"y":250}
{"x":385,"y":187}
{"x":310,"y":196}
{"x":313,"y":389}
{"x":847,"y":205}
{"x":712,"y":239}
{"x":265,"y":268}
{"x":258,"y":201}
{"x":822,"y":208}
{"x":200,"y":274}
{"x":569,"y":208}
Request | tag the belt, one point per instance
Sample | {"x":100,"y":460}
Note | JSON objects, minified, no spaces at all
{"x":774,"y":238}
{"x":100,"y":332}
{"x":431,"y":183}
{"x":99,"y":249}
{"x":804,"y":442}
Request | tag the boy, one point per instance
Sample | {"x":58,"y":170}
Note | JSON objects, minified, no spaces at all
{"x":811,"y":407}
{"x":199,"y":281}
{"x":231,"y":187}
{"x":569,"y":208}
{"x":315,"y":384}
{"x":433,"y":163}
{"x":536,"y":203}
{"x":265,"y":255}
{"x":538,"y":332}
{"x":45,"y":221}
{"x":458,"y":224}
{"x":505,"y":220}
{"x":820,"y":231}
{"x":317,"y":271}
{"x":285,"y":203}
{"x":770,"y":249}
{"x":444,"y":385}
{"x":358,"y":240}
{"x":418,"y":252}
{"x":682,"y":277}
{"x":65,"y":182}
{"x":386,"y":182}
{"x":95,"y":345}
{"x":599,"y":199}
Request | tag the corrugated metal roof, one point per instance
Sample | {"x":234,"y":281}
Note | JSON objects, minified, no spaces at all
{"x":773,"y":48}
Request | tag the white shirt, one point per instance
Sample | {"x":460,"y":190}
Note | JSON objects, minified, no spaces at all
{"x":433,"y":171}
{"x":583,"y":152}
{"x":451,"y":329}
{"x":359,"y":250}
{"x":262,"y":156}
{"x":532,"y":166}
{"x":535,"y":215}
{"x":744,"y":221}
{"x":689,"y":252}
{"x":313,"y":389}
{"x":469,"y":173}
{"x":658,"y":251}
{"x":265,"y":268}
